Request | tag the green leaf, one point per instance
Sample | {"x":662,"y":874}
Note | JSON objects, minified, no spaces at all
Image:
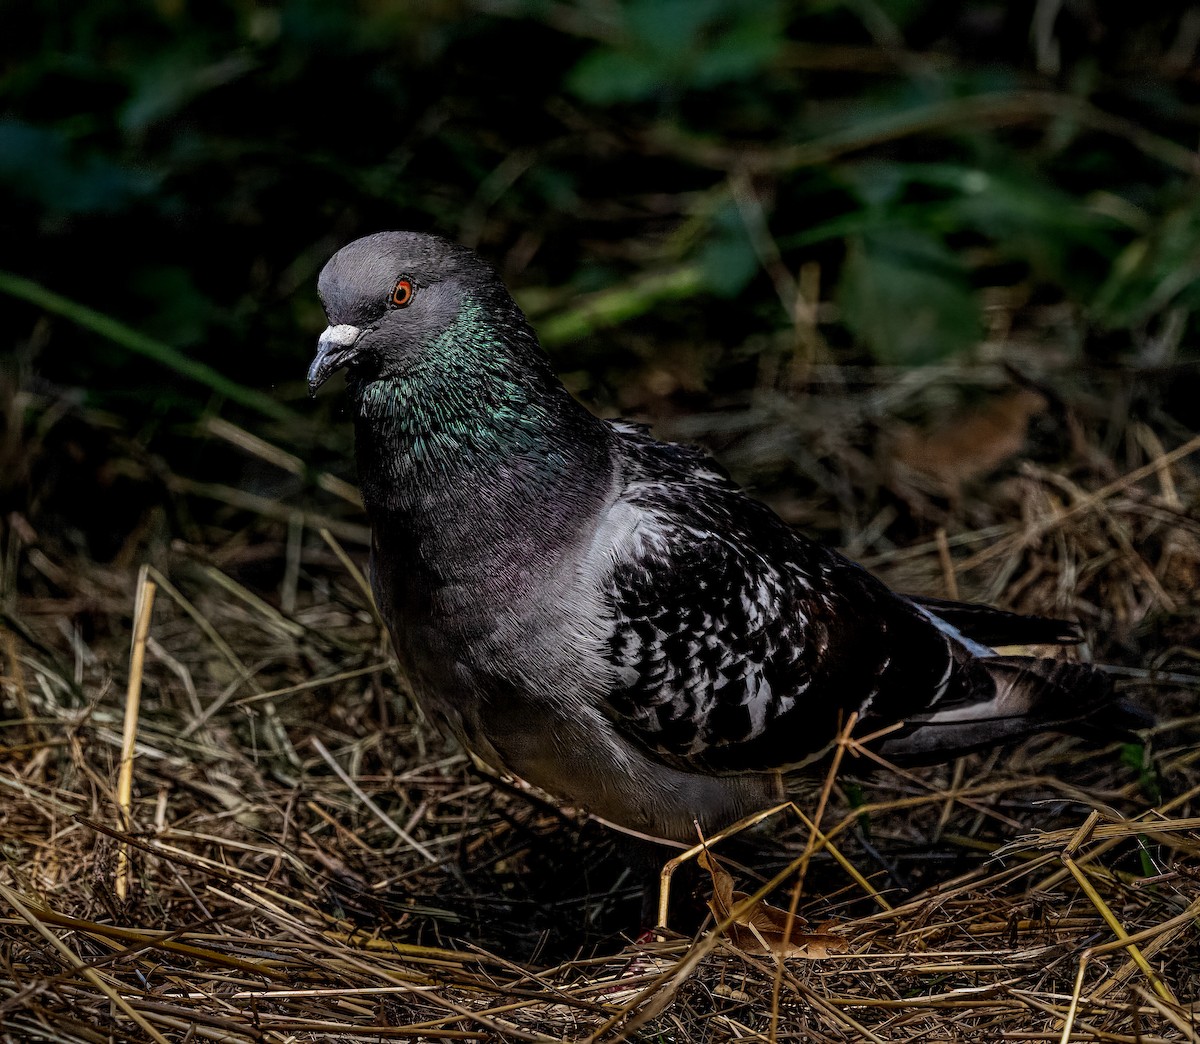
{"x":738,"y":52}
{"x":40,"y":164}
{"x":1134,"y":755}
{"x":907,"y":298}
{"x":1154,"y":272}
{"x":728,"y":259}
{"x":669,"y":26}
{"x":605,"y":77}
{"x":162,"y":87}
{"x":857,"y":799}
{"x":680,"y":44}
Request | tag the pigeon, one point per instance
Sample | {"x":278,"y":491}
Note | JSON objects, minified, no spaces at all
{"x":609,"y":617}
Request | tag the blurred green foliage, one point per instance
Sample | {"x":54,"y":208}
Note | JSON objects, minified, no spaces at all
{"x":186,"y":168}
{"x":675,"y":46}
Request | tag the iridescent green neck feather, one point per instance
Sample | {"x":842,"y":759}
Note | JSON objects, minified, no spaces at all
{"x":475,"y":447}
{"x":471,"y":391}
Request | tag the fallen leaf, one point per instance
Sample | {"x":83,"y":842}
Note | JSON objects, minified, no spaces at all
{"x":968,"y":446}
{"x":766,"y":928}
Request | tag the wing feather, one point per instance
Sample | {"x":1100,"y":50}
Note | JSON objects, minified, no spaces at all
{"x":740,"y":645}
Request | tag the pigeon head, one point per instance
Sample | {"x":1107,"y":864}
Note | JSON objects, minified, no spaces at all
{"x":393,"y":297}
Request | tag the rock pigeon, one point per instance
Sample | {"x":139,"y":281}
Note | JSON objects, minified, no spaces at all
{"x":609,"y":617}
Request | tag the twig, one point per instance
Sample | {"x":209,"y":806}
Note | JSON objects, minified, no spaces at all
{"x":143,"y":608}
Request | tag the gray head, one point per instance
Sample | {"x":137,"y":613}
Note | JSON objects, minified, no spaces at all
{"x":389,"y":295}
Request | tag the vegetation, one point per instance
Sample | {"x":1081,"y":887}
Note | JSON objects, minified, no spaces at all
{"x":925,"y":274}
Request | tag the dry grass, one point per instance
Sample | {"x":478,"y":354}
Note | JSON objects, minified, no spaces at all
{"x":302,"y":859}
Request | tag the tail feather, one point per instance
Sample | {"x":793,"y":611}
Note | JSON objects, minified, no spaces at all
{"x":991,"y":626}
{"x":1018,"y":696}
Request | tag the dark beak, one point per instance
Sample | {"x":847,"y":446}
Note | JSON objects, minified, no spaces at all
{"x":334,"y":350}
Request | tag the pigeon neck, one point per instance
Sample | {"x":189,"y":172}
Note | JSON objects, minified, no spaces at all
{"x":478,"y":456}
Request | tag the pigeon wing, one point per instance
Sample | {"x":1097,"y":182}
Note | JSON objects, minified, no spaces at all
{"x":739,"y":645}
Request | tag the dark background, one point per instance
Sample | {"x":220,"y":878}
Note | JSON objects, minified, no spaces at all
{"x":951,"y":185}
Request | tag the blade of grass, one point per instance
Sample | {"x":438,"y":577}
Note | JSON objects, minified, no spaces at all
{"x":617,"y":304}
{"x":133,"y":698}
{"x":141,"y":344}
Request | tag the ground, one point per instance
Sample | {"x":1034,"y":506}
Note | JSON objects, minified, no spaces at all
{"x":303,"y":858}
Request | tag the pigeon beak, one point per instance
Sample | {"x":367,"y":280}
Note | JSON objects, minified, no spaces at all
{"x":334,"y":350}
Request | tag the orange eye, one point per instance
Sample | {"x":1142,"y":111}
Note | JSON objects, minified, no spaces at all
{"x":402,"y":294}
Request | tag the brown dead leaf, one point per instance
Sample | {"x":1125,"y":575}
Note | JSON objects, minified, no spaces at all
{"x":968,"y":446}
{"x":765,"y":928}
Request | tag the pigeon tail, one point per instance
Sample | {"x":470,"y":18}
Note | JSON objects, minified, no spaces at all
{"x":1028,"y":695}
{"x":991,"y":626}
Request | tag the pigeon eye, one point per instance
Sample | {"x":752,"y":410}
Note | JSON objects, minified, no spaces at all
{"x":402,"y":294}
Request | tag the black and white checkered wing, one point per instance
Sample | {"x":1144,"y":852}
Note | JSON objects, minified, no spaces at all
{"x":739,"y":645}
